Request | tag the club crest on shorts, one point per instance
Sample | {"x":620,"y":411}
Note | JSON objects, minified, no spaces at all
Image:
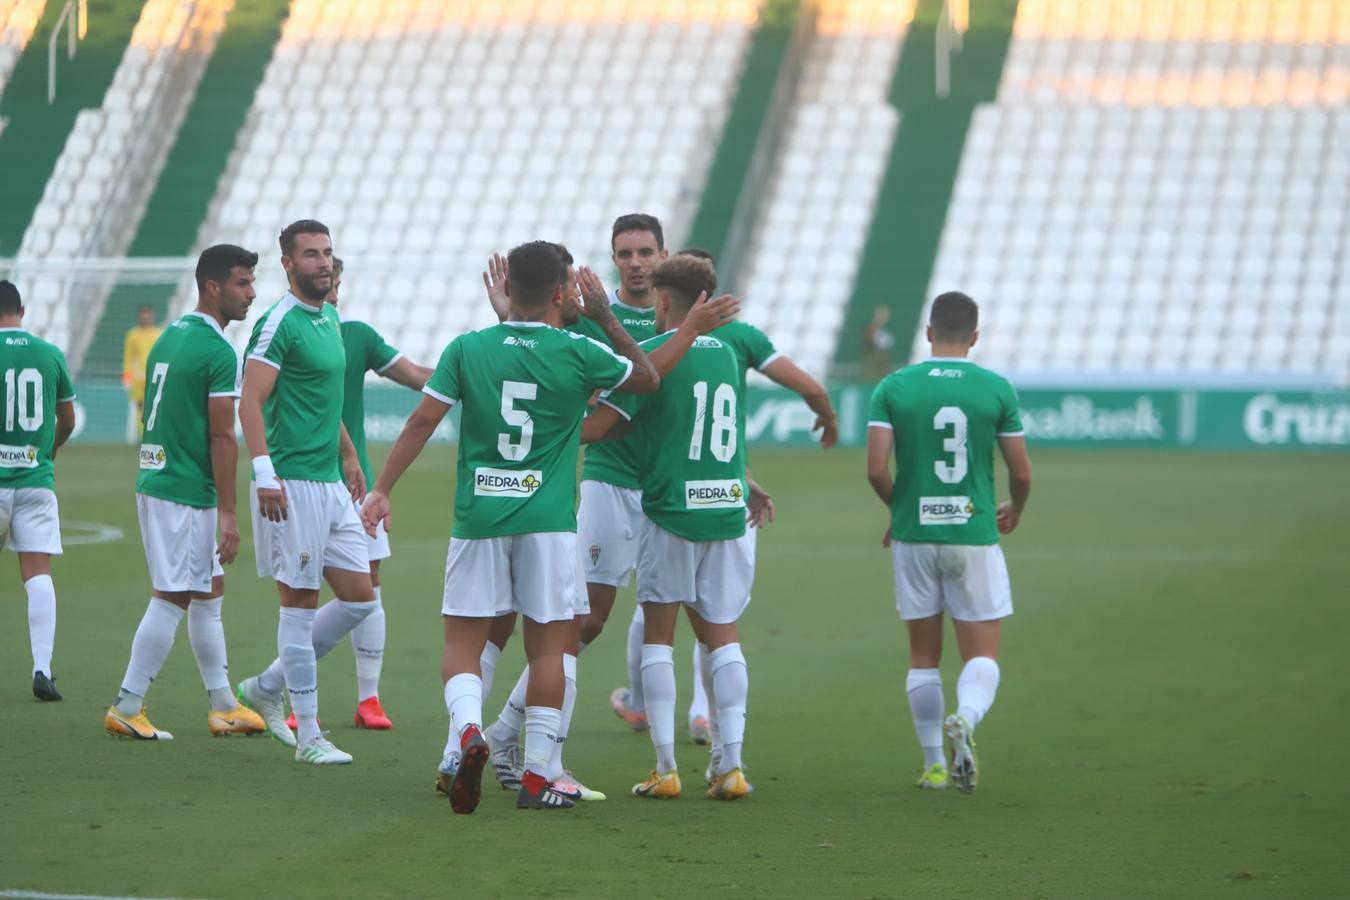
{"x":595,"y":554}
{"x":304,"y":561}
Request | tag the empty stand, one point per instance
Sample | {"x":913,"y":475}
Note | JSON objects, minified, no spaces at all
{"x":810,"y":234}
{"x":428,"y":135}
{"x":18,"y":21}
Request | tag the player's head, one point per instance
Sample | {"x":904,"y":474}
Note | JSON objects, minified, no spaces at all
{"x":679,"y":282}
{"x":534,"y":281}
{"x":225,"y":282}
{"x":338,"y":266}
{"x":145,"y":316}
{"x":307,"y":257}
{"x":954,"y":322}
{"x":571,"y":294}
{"x":700,"y":253}
{"x":11,"y":304}
{"x":639,"y":246}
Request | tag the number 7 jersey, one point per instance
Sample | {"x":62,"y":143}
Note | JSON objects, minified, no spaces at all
{"x":947,"y":415}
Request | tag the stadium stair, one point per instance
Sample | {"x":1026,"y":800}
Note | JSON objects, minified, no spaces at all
{"x":902,"y":244}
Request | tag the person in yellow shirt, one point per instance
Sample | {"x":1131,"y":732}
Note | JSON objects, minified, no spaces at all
{"x":134,"y":353}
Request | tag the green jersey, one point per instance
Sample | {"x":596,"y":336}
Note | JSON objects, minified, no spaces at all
{"x":947,"y":415}
{"x":689,"y":442}
{"x":524,"y":387}
{"x":304,"y":411}
{"x":753,"y":346}
{"x":190,"y":363}
{"x":36,"y":379}
{"x":366,"y":352}
{"x":615,"y":462}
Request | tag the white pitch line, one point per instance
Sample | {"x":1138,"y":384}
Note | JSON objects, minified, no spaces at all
{"x":37,"y":895}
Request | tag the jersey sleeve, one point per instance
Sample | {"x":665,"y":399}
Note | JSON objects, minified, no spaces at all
{"x":1010,"y":416}
{"x":605,"y":370}
{"x":758,"y":348}
{"x":223,"y":375}
{"x":626,"y":405}
{"x":273,"y":338}
{"x":65,"y":388}
{"x":379,"y":354}
{"x":444,"y":384}
{"x":879,"y":409}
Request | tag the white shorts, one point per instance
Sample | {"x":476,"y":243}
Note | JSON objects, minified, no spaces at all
{"x":30,"y":521}
{"x":608,"y":525}
{"x":713,"y":577}
{"x":970,"y":583}
{"x":321,"y":530}
{"x":379,"y":544}
{"x":531,"y":574}
{"x":180,"y":545}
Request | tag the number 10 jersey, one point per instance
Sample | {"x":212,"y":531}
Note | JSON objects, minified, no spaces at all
{"x":947,"y":415}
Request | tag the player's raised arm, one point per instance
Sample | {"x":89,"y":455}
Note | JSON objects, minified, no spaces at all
{"x":224,"y":463}
{"x":416,"y":432}
{"x":259,"y":380}
{"x":704,"y":316}
{"x":494,"y":281}
{"x":644,"y":379}
{"x":783,"y":371}
{"x":1014,"y":450}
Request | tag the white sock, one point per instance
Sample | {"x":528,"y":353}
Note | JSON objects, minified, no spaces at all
{"x":541,"y":736}
{"x":658,"y":684}
{"x":206,"y":634}
{"x":731,"y":686}
{"x":300,"y":669}
{"x":924,"y":687}
{"x":487,"y":664}
{"x":149,"y":649}
{"x":334,"y":620}
{"x":555,"y":764}
{"x":368,"y":645}
{"x":464,"y":703}
{"x":506,"y":730}
{"x":699,"y":705}
{"x":975,"y":689}
{"x":705,"y":675}
{"x":41,"y":621}
{"x":636,"y":699}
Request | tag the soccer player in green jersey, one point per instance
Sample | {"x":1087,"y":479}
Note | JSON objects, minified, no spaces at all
{"x":691,"y":455}
{"x":367,"y":351}
{"x":185,"y":496}
{"x":943,"y":418}
{"x":39,"y":417}
{"x":305,"y":528}
{"x":523,"y":386}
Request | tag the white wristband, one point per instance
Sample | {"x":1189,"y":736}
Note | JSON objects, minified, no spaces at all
{"x":264,"y":474}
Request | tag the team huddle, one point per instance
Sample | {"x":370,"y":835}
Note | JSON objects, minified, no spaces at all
{"x":650,"y":377}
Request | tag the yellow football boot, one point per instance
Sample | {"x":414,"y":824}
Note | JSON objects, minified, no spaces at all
{"x":934,"y":778}
{"x":240,"y":720}
{"x":659,"y":786}
{"x":137,"y":726}
{"x":729,"y":786}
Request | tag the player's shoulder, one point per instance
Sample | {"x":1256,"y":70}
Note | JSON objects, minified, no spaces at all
{"x":21,"y":340}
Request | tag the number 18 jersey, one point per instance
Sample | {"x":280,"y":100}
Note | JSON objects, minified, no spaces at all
{"x":947,"y":415}
{"x":523,"y":389}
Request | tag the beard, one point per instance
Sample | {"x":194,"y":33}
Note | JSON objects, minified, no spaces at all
{"x":309,"y":287}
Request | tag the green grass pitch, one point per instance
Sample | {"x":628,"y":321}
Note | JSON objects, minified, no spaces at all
{"x":1171,"y":720}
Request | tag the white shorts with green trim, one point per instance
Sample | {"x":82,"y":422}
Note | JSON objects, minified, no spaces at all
{"x":30,"y":521}
{"x":534,"y":575}
{"x":713,"y":577}
{"x":321,"y":530}
{"x":608,"y":525}
{"x":180,"y":545}
{"x":379,"y":544}
{"x":968,"y":582}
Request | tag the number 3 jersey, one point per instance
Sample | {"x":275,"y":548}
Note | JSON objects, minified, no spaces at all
{"x":190,"y":363}
{"x":947,"y":415}
{"x":523,"y":388}
{"x":36,"y":379}
{"x":691,"y":458}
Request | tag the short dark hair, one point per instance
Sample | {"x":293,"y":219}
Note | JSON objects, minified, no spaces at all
{"x":10,"y":302}
{"x":954,"y":317}
{"x":534,"y":272}
{"x":338,"y":264}
{"x":216,"y":262}
{"x":700,"y":253}
{"x":566,"y":256}
{"x":638,"y":222}
{"x":684,"y":278}
{"x":300,"y":226}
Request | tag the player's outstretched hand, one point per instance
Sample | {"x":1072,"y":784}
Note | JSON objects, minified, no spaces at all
{"x":494,"y":279}
{"x":594,"y":297}
{"x":374,"y":511}
{"x":886,"y":538}
{"x":828,"y":426}
{"x":228,"y":547}
{"x":1007,"y":518}
{"x":354,"y":478}
{"x":759,"y":504}
{"x":272,"y":503}
{"x":708,"y":315}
